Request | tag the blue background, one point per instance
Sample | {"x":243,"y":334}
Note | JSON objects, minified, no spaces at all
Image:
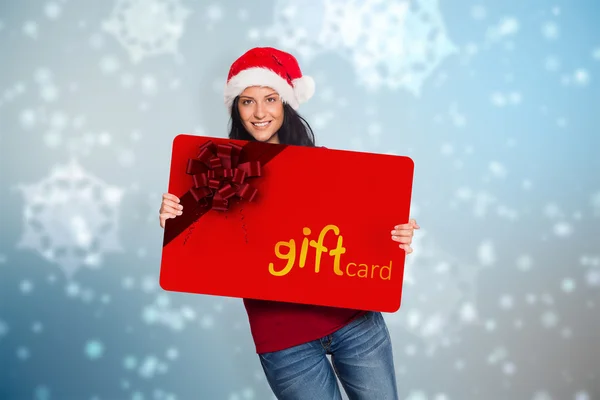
{"x":496,"y":102}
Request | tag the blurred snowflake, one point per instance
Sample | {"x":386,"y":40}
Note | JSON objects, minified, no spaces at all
{"x":438,"y":296}
{"x":151,"y":366}
{"x":482,"y":201}
{"x":505,"y":28}
{"x":60,"y":126}
{"x":478,"y":12}
{"x":245,"y":394}
{"x":147,"y":27}
{"x":582,"y":396}
{"x":552,"y":63}
{"x":26,"y":287}
{"x":393,"y":43}
{"x":541,"y":395}
{"x":417,"y":395}
{"x":23,"y":353}
{"x":42,"y":393}
{"x":581,"y":77}
{"x":161,"y":312}
{"x":37,"y":327}
{"x":94,"y":349}
{"x":500,"y":100}
{"x":499,"y":357}
{"x":550,"y":30}
{"x":52,"y":10}
{"x":30,"y":28}
{"x":147,"y":368}
{"x":71,"y":218}
{"x":592,"y":263}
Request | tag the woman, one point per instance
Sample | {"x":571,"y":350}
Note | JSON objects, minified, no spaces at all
{"x":264,"y":89}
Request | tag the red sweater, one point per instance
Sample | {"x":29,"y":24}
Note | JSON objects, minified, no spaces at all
{"x":276,"y":325}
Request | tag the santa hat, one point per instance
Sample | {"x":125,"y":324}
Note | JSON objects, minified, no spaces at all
{"x":266,"y":66}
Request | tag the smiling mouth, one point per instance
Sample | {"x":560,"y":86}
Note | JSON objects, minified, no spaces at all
{"x":261,"y":124}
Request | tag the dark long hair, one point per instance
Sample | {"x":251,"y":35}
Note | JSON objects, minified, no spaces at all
{"x":294,"y":129}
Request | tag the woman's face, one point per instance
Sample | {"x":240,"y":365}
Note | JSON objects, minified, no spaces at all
{"x":261,"y":111}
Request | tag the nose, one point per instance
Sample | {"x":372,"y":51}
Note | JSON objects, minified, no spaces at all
{"x":259,"y":111}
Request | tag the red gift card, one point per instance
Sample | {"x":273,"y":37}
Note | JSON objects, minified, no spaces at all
{"x":286,"y":223}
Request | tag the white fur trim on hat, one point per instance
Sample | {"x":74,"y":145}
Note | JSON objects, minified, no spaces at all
{"x":304,"y":88}
{"x":266,"y":77}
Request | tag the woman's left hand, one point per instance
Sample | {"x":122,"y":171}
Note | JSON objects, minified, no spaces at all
{"x":404,"y":234}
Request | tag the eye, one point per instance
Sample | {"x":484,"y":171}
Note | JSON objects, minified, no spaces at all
{"x":246,"y":102}
{"x":271,"y":99}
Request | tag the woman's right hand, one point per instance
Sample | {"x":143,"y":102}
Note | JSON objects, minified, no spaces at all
{"x":169,"y":208}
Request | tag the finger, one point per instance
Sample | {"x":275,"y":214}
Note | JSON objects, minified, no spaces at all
{"x":406,"y":248}
{"x":402,"y":239}
{"x":403,"y":226}
{"x":171,"y":210}
{"x":170,"y":196}
{"x":403,"y":232}
{"x":173,"y":204}
{"x":167,"y":215}
{"x":413,"y":223}
{"x":164,"y":217}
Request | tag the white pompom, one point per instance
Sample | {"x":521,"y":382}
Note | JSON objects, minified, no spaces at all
{"x":304,"y":88}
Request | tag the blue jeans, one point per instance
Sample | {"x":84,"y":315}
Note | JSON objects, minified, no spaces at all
{"x":361,"y":355}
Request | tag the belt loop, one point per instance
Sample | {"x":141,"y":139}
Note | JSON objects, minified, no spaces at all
{"x":329,"y":340}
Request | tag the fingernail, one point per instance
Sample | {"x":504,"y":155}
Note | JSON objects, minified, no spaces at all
{"x":179,"y":212}
{"x":181,"y":207}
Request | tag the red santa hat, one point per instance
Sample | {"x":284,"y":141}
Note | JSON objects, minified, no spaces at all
{"x":266,"y":66}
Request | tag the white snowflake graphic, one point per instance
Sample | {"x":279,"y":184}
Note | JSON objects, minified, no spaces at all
{"x":147,"y":27}
{"x":60,"y":127}
{"x":71,"y":218}
{"x":395,"y":44}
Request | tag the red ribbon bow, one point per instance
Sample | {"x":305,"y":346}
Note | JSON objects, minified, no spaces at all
{"x":216,"y":174}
